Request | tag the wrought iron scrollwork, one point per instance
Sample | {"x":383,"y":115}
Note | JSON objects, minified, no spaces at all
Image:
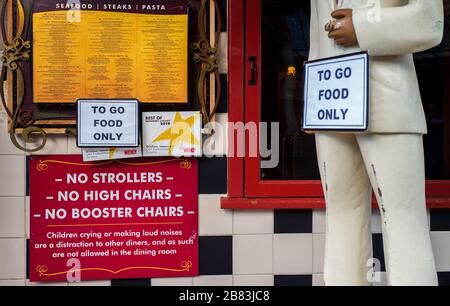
{"x":205,"y":54}
{"x":16,"y":51}
{"x":19,"y":50}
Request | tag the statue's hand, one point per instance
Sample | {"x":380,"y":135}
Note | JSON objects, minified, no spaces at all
{"x":345,"y":34}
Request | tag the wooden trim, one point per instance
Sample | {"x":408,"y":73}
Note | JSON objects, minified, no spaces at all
{"x":272,"y":203}
{"x":236,"y":64}
{"x":305,"y":203}
{"x":49,"y":131}
{"x":252,"y":95}
{"x":437,"y":188}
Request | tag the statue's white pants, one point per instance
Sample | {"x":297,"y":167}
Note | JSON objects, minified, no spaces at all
{"x":393,"y":165}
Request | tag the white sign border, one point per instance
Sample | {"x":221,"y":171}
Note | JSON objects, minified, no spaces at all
{"x":108,"y":145}
{"x":343,"y":128}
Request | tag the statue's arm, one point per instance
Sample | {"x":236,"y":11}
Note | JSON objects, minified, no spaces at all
{"x":414,"y":27}
{"x":314,"y":32}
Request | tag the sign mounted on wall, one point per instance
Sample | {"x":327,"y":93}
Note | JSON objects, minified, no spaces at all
{"x":172,"y":134}
{"x":337,"y":93}
{"x":112,"y":49}
{"x":115,"y":219}
{"x":107,"y":123}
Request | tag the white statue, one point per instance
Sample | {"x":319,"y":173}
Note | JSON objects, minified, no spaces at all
{"x":388,"y":158}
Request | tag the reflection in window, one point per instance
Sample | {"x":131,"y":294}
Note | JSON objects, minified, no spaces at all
{"x":285,"y":47}
{"x":433,"y":69}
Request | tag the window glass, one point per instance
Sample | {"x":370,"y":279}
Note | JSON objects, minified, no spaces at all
{"x":285,"y":47}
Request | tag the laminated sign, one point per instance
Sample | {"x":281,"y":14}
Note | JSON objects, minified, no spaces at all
{"x":337,"y":93}
{"x":172,"y":134}
{"x":112,"y":220}
{"x":107,"y":123}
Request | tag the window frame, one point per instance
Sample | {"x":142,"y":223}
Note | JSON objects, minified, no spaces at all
{"x":246,"y":190}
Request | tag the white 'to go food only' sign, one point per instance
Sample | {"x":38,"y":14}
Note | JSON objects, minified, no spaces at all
{"x":337,"y":93}
{"x":107,"y":123}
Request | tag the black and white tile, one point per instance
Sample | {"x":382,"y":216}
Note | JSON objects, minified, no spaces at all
{"x":252,"y":254}
{"x":131,"y":282}
{"x":216,"y":255}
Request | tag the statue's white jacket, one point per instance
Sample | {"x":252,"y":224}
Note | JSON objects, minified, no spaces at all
{"x":390,"y":30}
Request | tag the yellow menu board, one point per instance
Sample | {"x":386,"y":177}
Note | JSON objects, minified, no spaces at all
{"x":110,"y":50}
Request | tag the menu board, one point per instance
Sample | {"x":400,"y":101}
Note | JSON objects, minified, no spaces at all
{"x":132,"y":49}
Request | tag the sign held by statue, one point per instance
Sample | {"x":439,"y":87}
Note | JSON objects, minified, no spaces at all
{"x":337,"y":93}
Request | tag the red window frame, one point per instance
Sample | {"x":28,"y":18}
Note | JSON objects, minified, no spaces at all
{"x":246,"y":190}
